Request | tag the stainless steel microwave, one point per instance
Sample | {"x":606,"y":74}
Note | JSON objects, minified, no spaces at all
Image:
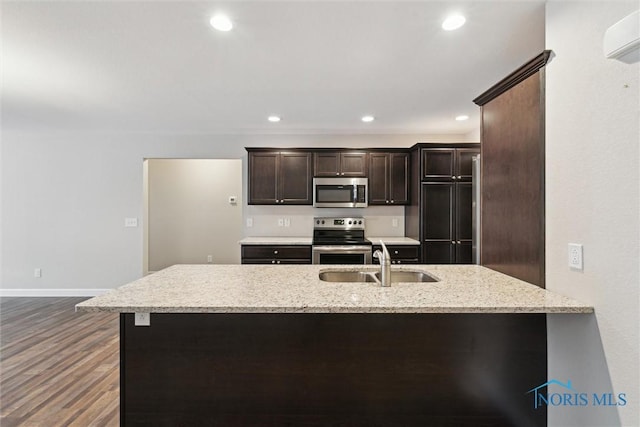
{"x":340,"y":192}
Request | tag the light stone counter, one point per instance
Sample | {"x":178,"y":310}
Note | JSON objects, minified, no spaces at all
{"x":393,"y":240}
{"x":297,"y":289}
{"x":276,"y":241}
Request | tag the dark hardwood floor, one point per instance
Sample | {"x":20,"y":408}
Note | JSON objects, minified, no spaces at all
{"x":57,"y":367}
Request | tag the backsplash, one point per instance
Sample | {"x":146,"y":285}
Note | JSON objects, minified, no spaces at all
{"x":380,"y":220}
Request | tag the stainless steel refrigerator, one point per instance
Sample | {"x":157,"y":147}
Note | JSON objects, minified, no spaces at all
{"x":476,"y":209}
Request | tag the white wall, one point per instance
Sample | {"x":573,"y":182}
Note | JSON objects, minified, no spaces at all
{"x":593,"y":197}
{"x":65,"y":197}
{"x":189,"y":215}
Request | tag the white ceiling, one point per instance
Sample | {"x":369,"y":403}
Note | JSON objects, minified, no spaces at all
{"x":159,"y":66}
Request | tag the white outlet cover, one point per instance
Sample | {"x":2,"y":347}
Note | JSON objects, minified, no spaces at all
{"x":131,"y":222}
{"x":280,"y":222}
{"x":575,"y":256}
{"x":249,"y":222}
{"x":142,"y":319}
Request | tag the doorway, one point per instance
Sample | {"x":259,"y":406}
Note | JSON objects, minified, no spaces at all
{"x":192,"y":212}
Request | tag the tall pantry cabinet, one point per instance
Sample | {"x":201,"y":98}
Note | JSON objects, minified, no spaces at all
{"x":440,"y":214}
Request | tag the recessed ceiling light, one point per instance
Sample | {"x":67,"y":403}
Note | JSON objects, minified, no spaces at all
{"x":221,"y":23}
{"x":453,"y":22}
{"x":367,"y":119}
{"x":462,"y":118}
{"x":274,"y":119}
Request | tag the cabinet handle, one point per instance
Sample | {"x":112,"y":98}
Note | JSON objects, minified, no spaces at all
{"x":453,"y":177}
{"x":453,"y":242}
{"x":386,"y":201}
{"x":459,"y":242}
{"x":275,"y":252}
{"x":342,"y":173}
{"x":277,"y":262}
{"x":337,"y":173}
{"x":399,"y":262}
{"x":459,"y":176}
{"x":273,"y":261}
{"x":393,"y":201}
{"x":395,"y":252}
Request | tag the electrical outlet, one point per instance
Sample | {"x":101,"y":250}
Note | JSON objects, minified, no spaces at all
{"x":131,"y":222}
{"x":287,"y":222}
{"x":249,"y":222}
{"x":394,"y":222}
{"x":280,"y":222}
{"x":142,"y":319}
{"x":575,"y":256}
{"x":37,"y":272}
{"x":209,"y":258}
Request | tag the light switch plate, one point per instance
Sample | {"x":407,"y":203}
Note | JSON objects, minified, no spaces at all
{"x":575,"y":256}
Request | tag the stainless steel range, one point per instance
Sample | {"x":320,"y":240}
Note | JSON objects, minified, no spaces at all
{"x":340,"y":241}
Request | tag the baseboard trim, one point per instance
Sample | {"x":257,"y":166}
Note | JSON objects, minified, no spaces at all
{"x":52,"y":292}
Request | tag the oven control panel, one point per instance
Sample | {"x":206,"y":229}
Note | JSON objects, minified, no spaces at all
{"x":352,"y":223}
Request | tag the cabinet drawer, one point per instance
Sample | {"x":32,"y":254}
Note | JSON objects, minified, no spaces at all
{"x":275,"y":261}
{"x":401,"y":251}
{"x":276,"y":252}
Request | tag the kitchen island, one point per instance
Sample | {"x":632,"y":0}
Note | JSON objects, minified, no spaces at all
{"x":275,"y":345}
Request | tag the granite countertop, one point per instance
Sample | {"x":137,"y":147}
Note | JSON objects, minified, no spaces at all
{"x":295,"y":240}
{"x":211,"y":288}
{"x":393,"y":240}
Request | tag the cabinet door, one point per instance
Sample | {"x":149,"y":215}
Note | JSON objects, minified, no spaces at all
{"x":353,"y":164}
{"x":438,"y":244}
{"x":399,"y":178}
{"x":438,"y":252}
{"x":326,"y":164}
{"x":438,"y":164}
{"x":378,"y":179}
{"x":463,"y":229}
{"x":464,"y":163}
{"x":437,"y":212}
{"x":263,"y":178}
{"x":295,"y":179}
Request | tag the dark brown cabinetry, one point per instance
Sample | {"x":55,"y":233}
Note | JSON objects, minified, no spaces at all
{"x":440,"y":210}
{"x":280,"y":178}
{"x":388,"y":178}
{"x":447,"y":164}
{"x":446,"y":221}
{"x":400,"y":254}
{"x":446,"y":210}
{"x":281,"y":254}
{"x":347,"y":163}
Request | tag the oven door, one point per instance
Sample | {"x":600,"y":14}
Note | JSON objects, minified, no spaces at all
{"x":338,"y":254}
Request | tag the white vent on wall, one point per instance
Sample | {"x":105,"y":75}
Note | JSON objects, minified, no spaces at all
{"x":622,"y":39}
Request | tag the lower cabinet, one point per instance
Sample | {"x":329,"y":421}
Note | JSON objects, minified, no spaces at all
{"x":400,"y":254}
{"x":280,"y":254}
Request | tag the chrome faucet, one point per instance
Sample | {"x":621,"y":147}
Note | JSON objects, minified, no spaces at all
{"x":385,"y":265}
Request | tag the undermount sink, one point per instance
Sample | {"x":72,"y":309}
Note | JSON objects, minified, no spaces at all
{"x":409,"y":276}
{"x":397,"y":276}
{"x":347,"y":276}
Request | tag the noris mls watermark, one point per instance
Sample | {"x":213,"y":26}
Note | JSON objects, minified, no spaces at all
{"x":564,"y":394}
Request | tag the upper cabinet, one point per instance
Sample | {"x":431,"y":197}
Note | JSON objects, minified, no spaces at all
{"x":447,"y":164}
{"x":280,"y":178}
{"x":345,"y":163}
{"x":388,"y":178}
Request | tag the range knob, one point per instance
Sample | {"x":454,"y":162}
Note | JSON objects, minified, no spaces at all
{"x":349,"y":222}
{"x":323,"y":221}
{"x":317,"y":221}
{"x":360,"y":222}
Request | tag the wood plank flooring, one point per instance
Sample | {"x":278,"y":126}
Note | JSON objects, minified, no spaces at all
{"x":57,"y":367}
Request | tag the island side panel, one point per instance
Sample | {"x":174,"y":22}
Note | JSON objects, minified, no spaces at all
{"x":333,"y":369}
